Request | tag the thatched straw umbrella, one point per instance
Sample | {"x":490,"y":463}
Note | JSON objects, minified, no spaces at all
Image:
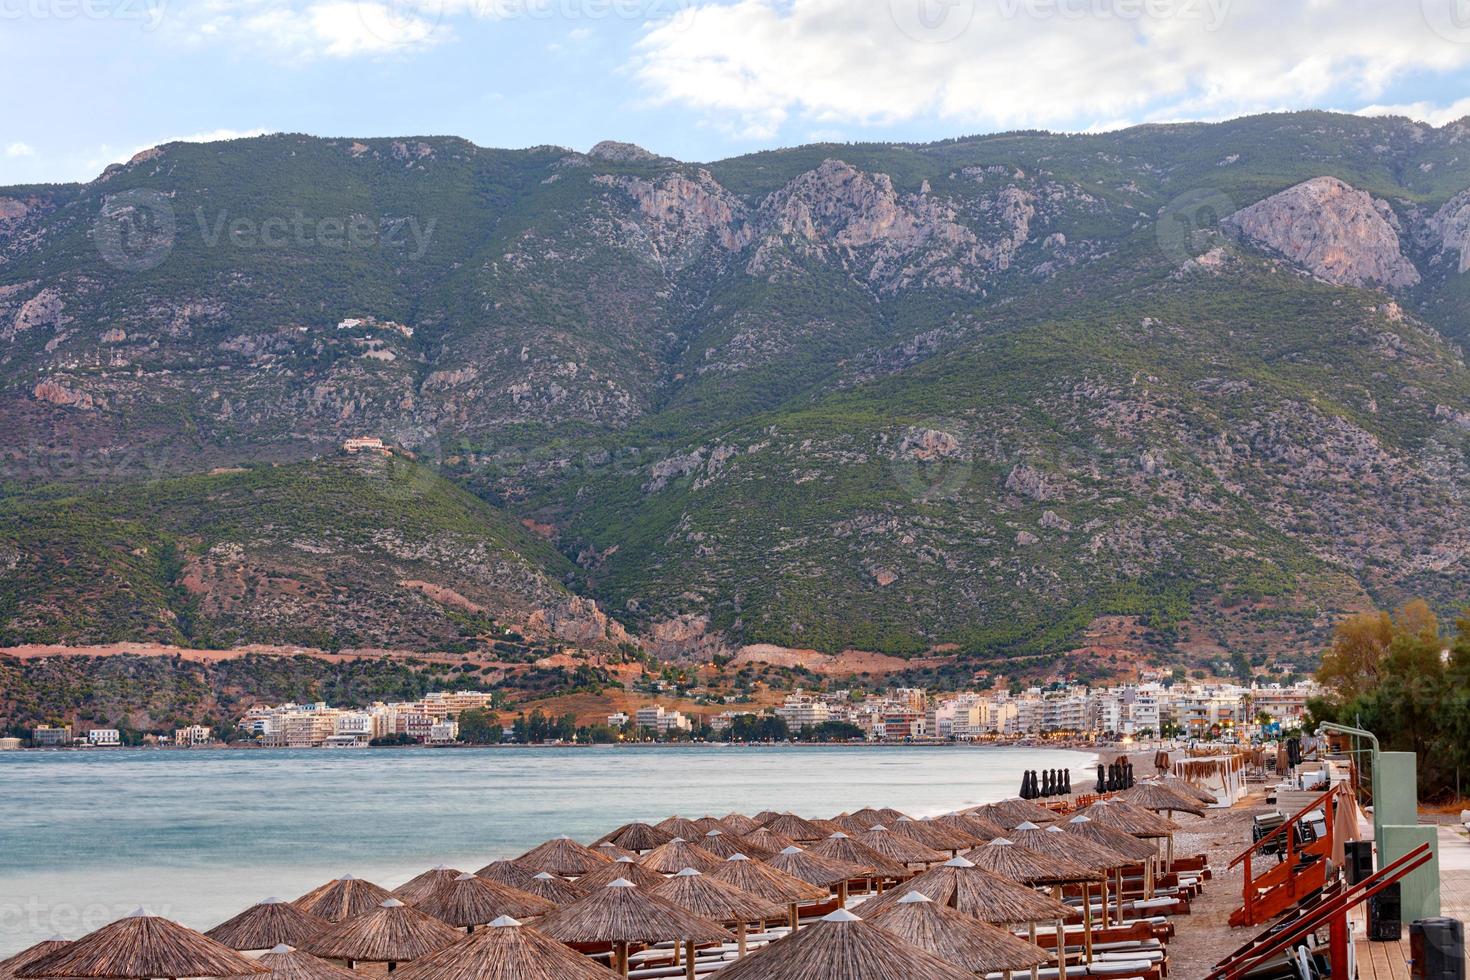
{"x":707,"y":823}
{"x":507,"y":873}
{"x":677,"y":855}
{"x":765,"y":817}
{"x":681,"y":827}
{"x":1161,"y":799}
{"x":562,"y":856}
{"x":623,"y":914}
{"x":722,"y":845}
{"x":761,"y":879}
{"x":960,"y":885}
{"x":612,"y":851}
{"x":1135,"y":820}
{"x":1010,"y":860}
{"x":267,"y":925}
{"x":897,"y":847}
{"x":625,"y":868}
{"x":1184,"y":787}
{"x":843,"y":945}
{"x":1130,"y":847}
{"x":719,"y":901}
{"x":553,"y":888}
{"x":339,"y":900}
{"x":30,"y":954}
{"x":286,"y":963}
{"x":849,"y":823}
{"x":844,"y":849}
{"x":1008,"y":813}
{"x":937,"y":836}
{"x":957,"y":938}
{"x":767,"y":840}
{"x":830,"y":827}
{"x":885,"y":815}
{"x":1056,"y":842}
{"x":796,"y":828}
{"x":973,"y":824}
{"x":816,"y":870}
{"x":506,"y":950}
{"x":638,"y":837}
{"x":141,"y":946}
{"x":738,"y":823}
{"x":470,"y":901}
{"x":415,"y":889}
{"x":392,"y":933}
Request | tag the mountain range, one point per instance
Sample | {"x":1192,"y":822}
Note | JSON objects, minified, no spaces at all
{"x":1193,"y":389}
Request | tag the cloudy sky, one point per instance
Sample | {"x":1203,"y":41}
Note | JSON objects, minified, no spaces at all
{"x":89,"y":82}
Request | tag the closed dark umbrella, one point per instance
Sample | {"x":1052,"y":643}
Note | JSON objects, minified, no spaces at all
{"x":1102,"y":780}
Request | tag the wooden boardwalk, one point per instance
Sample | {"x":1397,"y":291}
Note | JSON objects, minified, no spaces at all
{"x":1390,"y":961}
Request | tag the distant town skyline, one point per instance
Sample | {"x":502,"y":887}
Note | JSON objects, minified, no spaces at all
{"x":93,"y":81}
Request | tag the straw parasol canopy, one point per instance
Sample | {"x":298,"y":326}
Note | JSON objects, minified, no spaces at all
{"x":29,"y":955}
{"x":846,"y":850}
{"x":765,"y":817}
{"x":1184,"y":787}
{"x":417,"y":888}
{"x":612,"y":851}
{"x":723,"y":845}
{"x":468,"y":901}
{"x":621,"y":868}
{"x":341,"y":899}
{"x":707,"y":823}
{"x":286,"y":963}
{"x":678,"y":826}
{"x":1110,"y":837}
{"x":1010,"y":860}
{"x":973,"y":824}
{"x":959,"y":884}
{"x":956,"y":937}
{"x":849,"y":823}
{"x":1159,"y":798}
{"x":716,"y":899}
{"x":141,"y":946}
{"x":562,"y":856}
{"x":937,"y":836}
{"x":814,"y":869}
{"x":507,"y":873}
{"x":842,"y":945}
{"x":1055,"y":842}
{"x":637,"y":837}
{"x":1130,"y":819}
{"x":677,"y":855}
{"x":506,"y":950}
{"x":767,"y":882}
{"x":883,"y":815}
{"x":267,"y":925}
{"x":391,"y":933}
{"x":897,"y":847}
{"x":1008,"y":813}
{"x":765,"y":839}
{"x":829,"y":826}
{"x":625,"y":913}
{"x":738,"y":823}
{"x":796,"y":828}
{"x":556,"y":890}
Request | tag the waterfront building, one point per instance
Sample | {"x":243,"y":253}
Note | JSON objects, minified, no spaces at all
{"x":51,"y":737}
{"x":104,"y":737}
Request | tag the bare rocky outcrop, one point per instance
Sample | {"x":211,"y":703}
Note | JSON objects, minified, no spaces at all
{"x":616,"y":152}
{"x":1449,"y":229}
{"x":1341,"y":235}
{"x":679,"y":216}
{"x":42,"y":310}
{"x":59,"y":394}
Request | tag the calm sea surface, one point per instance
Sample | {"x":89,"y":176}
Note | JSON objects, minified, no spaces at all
{"x":199,"y":835}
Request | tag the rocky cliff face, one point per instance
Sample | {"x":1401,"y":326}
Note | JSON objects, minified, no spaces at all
{"x":1449,"y":230}
{"x":1341,"y":235}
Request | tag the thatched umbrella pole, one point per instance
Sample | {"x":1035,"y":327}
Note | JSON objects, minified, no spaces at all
{"x":620,"y":958}
{"x":1087,"y":918}
{"x":740,"y":936}
{"x":1031,"y":931}
{"x":1056,"y":893}
{"x":689,"y":961}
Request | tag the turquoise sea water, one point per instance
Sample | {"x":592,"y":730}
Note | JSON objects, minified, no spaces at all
{"x":199,"y":835}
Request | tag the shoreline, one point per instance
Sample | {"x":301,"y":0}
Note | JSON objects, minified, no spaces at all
{"x":1096,"y":748}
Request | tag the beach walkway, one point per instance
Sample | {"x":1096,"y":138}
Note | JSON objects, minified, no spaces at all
{"x":1390,"y":961}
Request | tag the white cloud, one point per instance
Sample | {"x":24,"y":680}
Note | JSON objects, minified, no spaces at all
{"x":752,"y":65}
{"x":18,"y":149}
{"x":316,"y":28}
{"x":1428,"y":112}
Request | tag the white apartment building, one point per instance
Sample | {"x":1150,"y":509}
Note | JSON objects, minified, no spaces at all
{"x":104,"y":737}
